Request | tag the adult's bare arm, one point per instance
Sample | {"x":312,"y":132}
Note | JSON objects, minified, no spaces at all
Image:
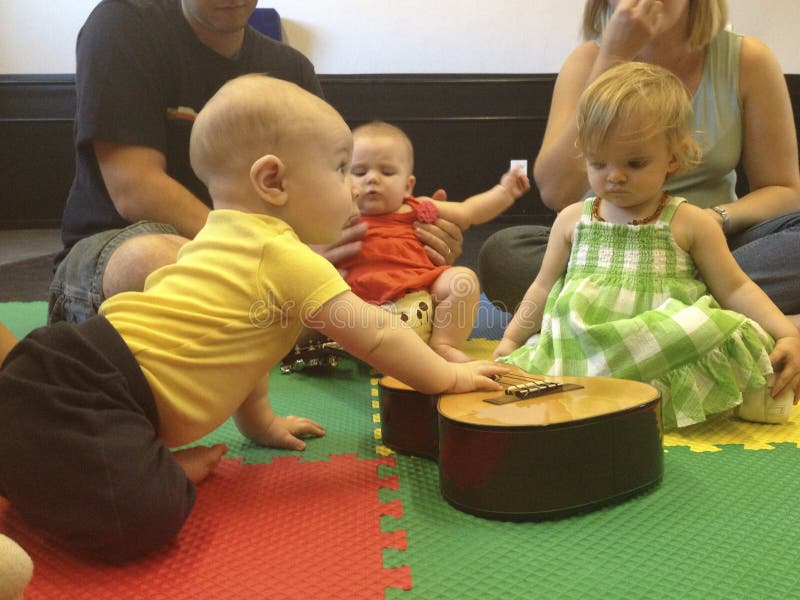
{"x":559,"y":169}
{"x":769,"y":146}
{"x":141,"y":189}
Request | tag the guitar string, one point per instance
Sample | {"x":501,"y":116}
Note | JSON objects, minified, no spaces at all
{"x":513,"y":378}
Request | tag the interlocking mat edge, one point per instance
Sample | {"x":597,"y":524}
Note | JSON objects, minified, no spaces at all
{"x":721,"y":524}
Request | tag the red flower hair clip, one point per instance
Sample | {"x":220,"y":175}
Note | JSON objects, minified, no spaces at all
{"x":427,"y":211}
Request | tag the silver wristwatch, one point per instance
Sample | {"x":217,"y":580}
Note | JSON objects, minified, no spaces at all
{"x":726,"y":219}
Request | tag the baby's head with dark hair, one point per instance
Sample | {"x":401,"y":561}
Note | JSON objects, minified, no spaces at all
{"x":384,"y":129}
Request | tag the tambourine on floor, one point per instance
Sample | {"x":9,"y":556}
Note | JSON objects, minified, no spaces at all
{"x":545,"y":448}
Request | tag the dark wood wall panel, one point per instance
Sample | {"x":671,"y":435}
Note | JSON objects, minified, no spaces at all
{"x":36,"y":155}
{"x":469,"y":156}
{"x":37,"y":167}
{"x":465,"y":128}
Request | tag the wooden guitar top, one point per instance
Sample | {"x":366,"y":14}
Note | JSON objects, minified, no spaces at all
{"x":597,"y":396}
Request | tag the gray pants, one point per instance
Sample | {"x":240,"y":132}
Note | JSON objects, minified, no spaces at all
{"x":768,"y":252}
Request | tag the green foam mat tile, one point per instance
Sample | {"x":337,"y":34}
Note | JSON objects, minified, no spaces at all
{"x":721,"y":525}
{"x":339,"y":399}
{"x":23,"y":317}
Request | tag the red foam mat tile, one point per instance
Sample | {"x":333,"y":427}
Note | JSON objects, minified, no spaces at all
{"x":287,"y":529}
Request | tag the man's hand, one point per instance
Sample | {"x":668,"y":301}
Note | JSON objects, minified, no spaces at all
{"x":443,"y":240}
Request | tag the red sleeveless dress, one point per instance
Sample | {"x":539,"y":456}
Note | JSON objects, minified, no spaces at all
{"x":392,"y":261}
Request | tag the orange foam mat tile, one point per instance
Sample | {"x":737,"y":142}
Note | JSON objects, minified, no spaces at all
{"x":287,"y":529}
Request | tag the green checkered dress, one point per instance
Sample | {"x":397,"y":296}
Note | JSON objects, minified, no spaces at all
{"x":630,"y":306}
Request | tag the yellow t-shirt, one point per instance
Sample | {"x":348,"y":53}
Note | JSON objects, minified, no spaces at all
{"x":207,"y":328}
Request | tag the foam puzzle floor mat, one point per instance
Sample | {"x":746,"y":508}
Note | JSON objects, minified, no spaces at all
{"x":22,"y":317}
{"x":288,"y":529}
{"x":720,"y":525}
{"x":349,"y":519}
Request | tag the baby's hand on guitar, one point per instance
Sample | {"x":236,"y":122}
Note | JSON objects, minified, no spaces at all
{"x":477,"y":375}
{"x":504,"y":348}
{"x":285,"y":433}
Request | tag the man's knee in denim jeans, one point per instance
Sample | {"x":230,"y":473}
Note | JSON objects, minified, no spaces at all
{"x":76,"y":291}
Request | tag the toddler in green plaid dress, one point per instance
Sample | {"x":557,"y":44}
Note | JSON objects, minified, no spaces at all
{"x":618,"y":294}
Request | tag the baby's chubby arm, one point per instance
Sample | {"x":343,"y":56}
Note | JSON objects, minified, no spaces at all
{"x":376,"y":337}
{"x":785,"y":358}
{"x":256,"y":420}
{"x":527,"y":318}
{"x":487,"y":205}
{"x":697,"y":232}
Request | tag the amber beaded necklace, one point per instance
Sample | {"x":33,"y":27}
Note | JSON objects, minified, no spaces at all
{"x":661,"y":203}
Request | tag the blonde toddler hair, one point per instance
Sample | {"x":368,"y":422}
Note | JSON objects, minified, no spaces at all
{"x":636,"y":92}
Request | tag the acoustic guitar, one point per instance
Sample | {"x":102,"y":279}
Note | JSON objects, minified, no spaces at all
{"x":541,"y":449}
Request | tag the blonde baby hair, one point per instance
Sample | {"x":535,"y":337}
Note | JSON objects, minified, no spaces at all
{"x":382,"y":128}
{"x":636,"y":92}
{"x":706,"y":19}
{"x":248,"y":117}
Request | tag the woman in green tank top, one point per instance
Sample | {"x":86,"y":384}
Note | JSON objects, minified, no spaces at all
{"x":743,"y":116}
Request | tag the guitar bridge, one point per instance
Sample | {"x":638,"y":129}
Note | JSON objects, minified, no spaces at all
{"x":531,"y":389}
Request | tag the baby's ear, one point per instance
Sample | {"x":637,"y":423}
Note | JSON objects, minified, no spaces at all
{"x":266,"y":175}
{"x":412,"y":181}
{"x":675,"y":163}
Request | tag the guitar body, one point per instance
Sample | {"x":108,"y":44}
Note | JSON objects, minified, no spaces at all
{"x":538,"y":458}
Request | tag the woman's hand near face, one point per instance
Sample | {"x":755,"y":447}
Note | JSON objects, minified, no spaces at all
{"x":632,"y":25}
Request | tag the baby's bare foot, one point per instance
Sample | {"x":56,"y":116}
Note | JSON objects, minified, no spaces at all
{"x":16,"y":569}
{"x":451,"y":353}
{"x":199,"y":462}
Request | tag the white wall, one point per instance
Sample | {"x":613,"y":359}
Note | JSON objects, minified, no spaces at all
{"x":433,"y":36}
{"x":393,"y":36}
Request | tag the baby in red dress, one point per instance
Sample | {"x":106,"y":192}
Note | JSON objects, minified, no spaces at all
{"x":392,"y":269}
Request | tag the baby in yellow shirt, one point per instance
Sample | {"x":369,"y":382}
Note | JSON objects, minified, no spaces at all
{"x":93,"y":409}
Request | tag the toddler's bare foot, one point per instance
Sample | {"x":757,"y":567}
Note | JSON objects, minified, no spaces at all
{"x":199,"y":462}
{"x":451,"y":353}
